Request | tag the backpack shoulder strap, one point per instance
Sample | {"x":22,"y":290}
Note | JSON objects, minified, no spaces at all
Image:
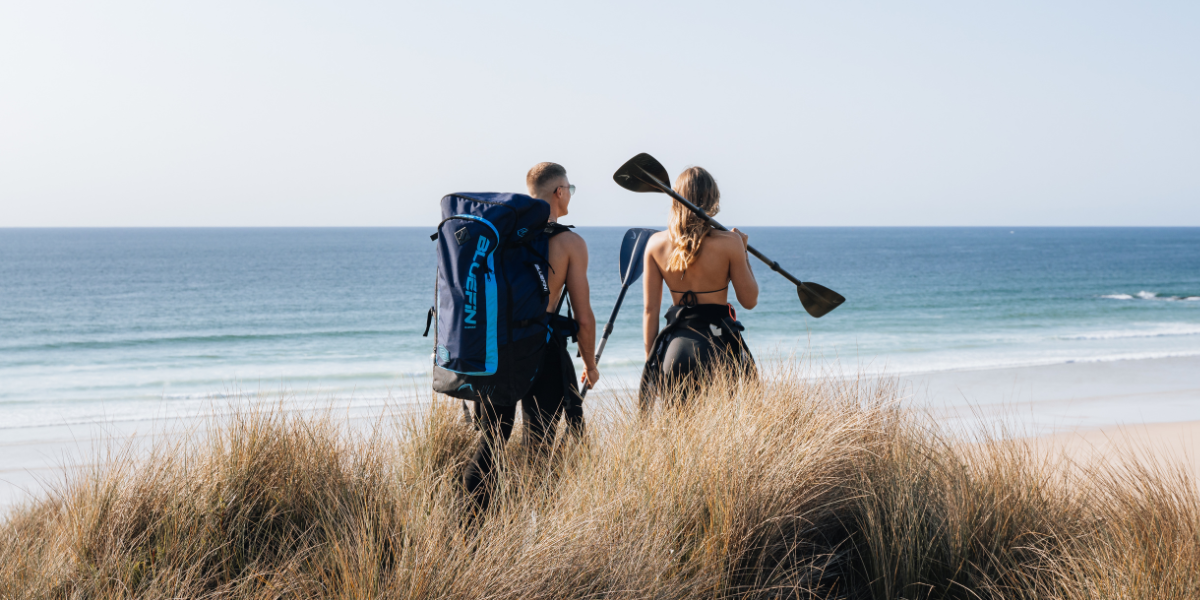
{"x":553,"y":229}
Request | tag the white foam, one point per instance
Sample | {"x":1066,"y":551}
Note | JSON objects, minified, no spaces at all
{"x":887,"y":367}
{"x":1165,"y":330}
{"x":1144,"y":295}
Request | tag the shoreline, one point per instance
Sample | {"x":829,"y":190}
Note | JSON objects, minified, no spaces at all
{"x":619,"y":376}
{"x":1075,"y":406}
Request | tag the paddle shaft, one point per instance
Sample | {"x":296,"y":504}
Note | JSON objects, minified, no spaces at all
{"x":608,"y":329}
{"x":713,"y":223}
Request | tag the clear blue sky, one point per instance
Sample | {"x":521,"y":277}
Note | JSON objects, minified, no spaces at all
{"x":365,"y":113}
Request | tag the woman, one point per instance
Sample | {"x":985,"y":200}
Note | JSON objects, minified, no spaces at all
{"x":698,"y":263}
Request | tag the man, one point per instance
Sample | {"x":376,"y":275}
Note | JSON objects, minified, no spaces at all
{"x":554,"y":390}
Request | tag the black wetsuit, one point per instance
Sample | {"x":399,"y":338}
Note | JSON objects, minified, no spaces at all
{"x":697,"y":337}
{"x":554,"y":392}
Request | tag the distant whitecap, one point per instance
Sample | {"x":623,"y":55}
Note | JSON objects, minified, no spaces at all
{"x":1160,"y":330}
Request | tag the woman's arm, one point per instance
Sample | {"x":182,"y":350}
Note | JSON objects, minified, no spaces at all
{"x":740,"y":275}
{"x":652,"y":286}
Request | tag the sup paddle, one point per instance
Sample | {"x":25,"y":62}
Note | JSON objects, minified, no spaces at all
{"x":643,"y":173}
{"x":633,"y":248}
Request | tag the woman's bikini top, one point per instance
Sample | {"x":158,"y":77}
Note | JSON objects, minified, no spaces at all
{"x":689,"y":297}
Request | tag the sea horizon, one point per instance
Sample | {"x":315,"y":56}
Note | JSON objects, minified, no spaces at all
{"x":622,"y":227}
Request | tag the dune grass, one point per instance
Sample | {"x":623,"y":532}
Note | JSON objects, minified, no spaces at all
{"x":786,"y":488}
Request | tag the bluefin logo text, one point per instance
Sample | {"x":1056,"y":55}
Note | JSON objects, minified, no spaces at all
{"x":472,"y":288}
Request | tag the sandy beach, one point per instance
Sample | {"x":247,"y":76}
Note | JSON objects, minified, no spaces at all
{"x":1174,"y":445}
{"x":1143,"y":410}
{"x":1052,"y":399}
{"x":1079,"y":408}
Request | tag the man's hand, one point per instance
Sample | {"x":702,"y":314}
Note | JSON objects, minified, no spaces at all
{"x":591,"y":377}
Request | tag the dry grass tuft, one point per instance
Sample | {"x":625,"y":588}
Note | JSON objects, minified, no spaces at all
{"x":788,"y":488}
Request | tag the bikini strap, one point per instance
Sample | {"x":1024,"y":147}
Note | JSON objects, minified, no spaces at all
{"x":689,"y":297}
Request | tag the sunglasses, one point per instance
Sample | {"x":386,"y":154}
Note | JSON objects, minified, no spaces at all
{"x":570,"y":189}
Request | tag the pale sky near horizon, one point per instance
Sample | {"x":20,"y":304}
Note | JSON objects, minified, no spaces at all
{"x":365,"y":113}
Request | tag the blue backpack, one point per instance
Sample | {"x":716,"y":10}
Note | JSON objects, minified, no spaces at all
{"x":491,"y":295}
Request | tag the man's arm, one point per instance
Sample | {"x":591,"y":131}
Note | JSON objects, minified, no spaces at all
{"x":652,"y":293}
{"x":577,"y":287}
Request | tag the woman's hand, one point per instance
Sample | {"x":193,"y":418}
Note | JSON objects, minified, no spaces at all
{"x":745,"y":238}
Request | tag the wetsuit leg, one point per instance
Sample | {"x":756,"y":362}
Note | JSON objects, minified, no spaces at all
{"x":687,"y":356}
{"x":572,"y":404}
{"x":544,"y":401}
{"x":687,"y":353}
{"x":495,"y":424}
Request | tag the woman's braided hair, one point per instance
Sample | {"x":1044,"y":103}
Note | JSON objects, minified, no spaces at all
{"x":686,"y":229}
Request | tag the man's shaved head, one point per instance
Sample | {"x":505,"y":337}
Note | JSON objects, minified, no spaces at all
{"x":542,"y":177}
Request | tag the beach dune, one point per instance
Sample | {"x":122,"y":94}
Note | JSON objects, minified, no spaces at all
{"x":811,"y":487}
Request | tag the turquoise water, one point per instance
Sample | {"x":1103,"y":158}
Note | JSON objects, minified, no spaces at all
{"x":103,"y":324}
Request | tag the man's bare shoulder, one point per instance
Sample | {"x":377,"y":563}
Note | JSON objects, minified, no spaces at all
{"x":569,"y":242}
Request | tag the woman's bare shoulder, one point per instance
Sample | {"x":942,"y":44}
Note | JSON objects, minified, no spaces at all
{"x":724,"y":235}
{"x":725,"y":238}
{"x":659,"y":239}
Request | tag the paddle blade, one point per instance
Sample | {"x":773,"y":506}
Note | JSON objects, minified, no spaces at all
{"x":817,"y":299}
{"x":633,"y":174}
{"x":633,"y":249}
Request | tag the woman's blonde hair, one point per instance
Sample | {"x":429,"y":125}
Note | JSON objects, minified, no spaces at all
{"x":686,"y":229}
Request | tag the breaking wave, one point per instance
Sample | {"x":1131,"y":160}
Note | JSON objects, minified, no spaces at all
{"x":1144,"y":295}
{"x":1171,"y":330}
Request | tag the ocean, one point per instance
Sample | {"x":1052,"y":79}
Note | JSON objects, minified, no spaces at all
{"x":125,"y":324}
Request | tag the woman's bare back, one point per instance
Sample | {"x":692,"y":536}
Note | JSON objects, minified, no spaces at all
{"x":721,"y":262}
{"x":710,"y":272}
